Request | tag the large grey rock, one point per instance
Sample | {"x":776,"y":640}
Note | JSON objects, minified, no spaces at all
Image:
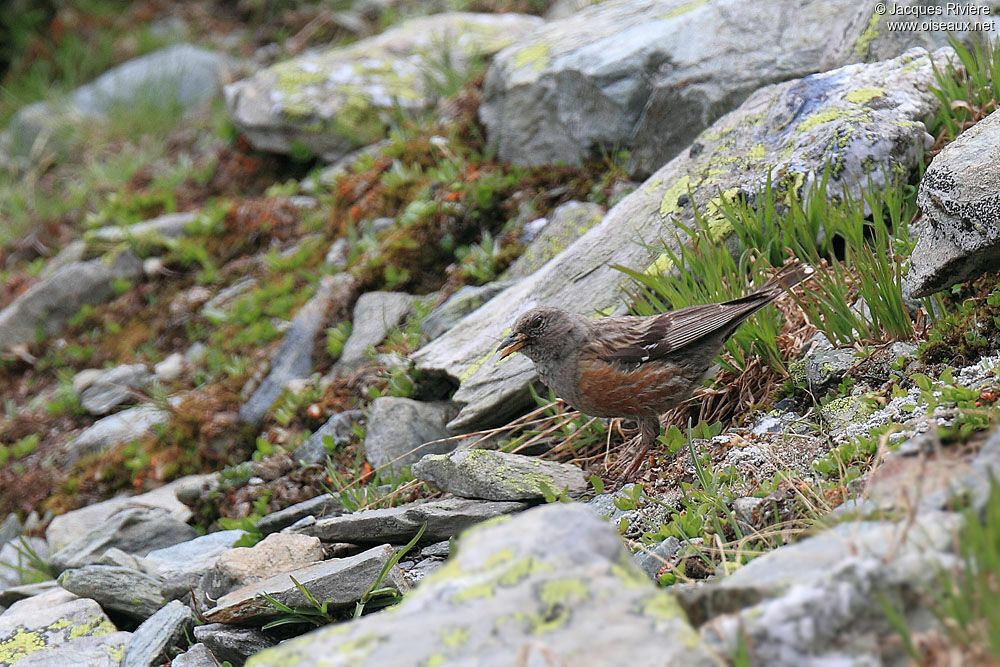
{"x":242,"y":566}
{"x":159,"y":636}
{"x":823,"y":598}
{"x":17,"y":593}
{"x":861,"y":121}
{"x":492,"y":475}
{"x":293,"y":360}
{"x":181,"y":74}
{"x":182,"y":566}
{"x":960,"y":197}
{"x":334,"y":101}
{"x":232,"y":644}
{"x":119,"y":428}
{"x":94,"y":651}
{"x":47,"y":306}
{"x":110,"y":388}
{"x":375,"y":315}
{"x":74,"y":525}
{"x":168,"y":226}
{"x":397,"y":525}
{"x":321,"y":506}
{"x":340,"y":427}
{"x":867,"y":36}
{"x":340,"y":582}
{"x":134,"y":530}
{"x":523,"y":587}
{"x":120,"y":589}
{"x":399,"y":429}
{"x":566,"y":224}
{"x":458,"y":305}
{"x":626,"y":74}
{"x":10,"y":528}
{"x":47,"y":621}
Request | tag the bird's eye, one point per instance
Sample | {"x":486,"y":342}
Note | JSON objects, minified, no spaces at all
{"x":537,"y":321}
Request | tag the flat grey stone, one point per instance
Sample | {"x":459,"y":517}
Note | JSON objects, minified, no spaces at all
{"x":375,"y":315}
{"x":47,"y":306}
{"x":340,"y":427}
{"x":181,"y":566}
{"x":162,"y":634}
{"x":16,"y":593}
{"x":826,"y":365}
{"x":197,"y":656}
{"x":340,"y":582}
{"x":960,"y":197}
{"x":119,"y":428}
{"x":94,"y":651}
{"x":242,"y":566}
{"x":493,"y":475}
{"x":168,"y":226}
{"x":120,"y":589}
{"x":798,"y":128}
{"x":232,"y":644}
{"x":652,"y":560}
{"x":397,"y":525}
{"x":400,"y":428}
{"x":528,"y":585}
{"x":135,"y":530}
{"x":321,"y":506}
{"x":293,"y":360}
{"x":115,"y":386}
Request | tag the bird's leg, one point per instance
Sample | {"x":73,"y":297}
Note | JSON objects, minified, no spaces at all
{"x":649,"y":429}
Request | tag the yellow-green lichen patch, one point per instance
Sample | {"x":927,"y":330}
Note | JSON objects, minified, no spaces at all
{"x":562,"y":591}
{"x":291,"y":76}
{"x":669,"y":202}
{"x":662,"y":607}
{"x":94,"y":627}
{"x":454,"y":637}
{"x":499,"y":558}
{"x":537,"y":56}
{"x":21,"y":644}
{"x":680,"y":10}
{"x":864,"y":95}
{"x":821,"y":117}
{"x":483,"y":591}
{"x":627,"y":572}
{"x":661,"y":266}
{"x":719,"y":226}
{"x":359,"y":648}
{"x":867,"y":37}
{"x":434,"y":660}
{"x":475,"y":366}
{"x":523,"y":569}
{"x":116,"y":653}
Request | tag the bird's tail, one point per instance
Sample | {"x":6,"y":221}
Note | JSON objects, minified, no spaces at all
{"x":785,"y":280}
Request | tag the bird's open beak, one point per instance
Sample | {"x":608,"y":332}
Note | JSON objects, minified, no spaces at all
{"x":512,"y":344}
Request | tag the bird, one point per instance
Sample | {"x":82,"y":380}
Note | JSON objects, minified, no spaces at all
{"x":636,"y":367}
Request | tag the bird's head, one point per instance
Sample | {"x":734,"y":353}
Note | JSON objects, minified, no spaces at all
{"x":540,"y":333}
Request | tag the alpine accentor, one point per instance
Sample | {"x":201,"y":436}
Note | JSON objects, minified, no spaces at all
{"x":635,"y":367}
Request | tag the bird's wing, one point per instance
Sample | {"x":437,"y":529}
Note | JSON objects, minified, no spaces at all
{"x":629,"y":341}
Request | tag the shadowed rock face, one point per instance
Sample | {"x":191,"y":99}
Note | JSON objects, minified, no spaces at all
{"x":861,"y":121}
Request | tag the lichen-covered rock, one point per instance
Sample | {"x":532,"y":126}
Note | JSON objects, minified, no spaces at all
{"x":332,"y":101}
{"x":458,"y":305}
{"x":181,"y":566}
{"x":160,"y":636}
{"x":861,"y":122}
{"x":552,"y":586}
{"x":492,"y":475}
{"x":339,"y":427}
{"x":120,"y":589}
{"x":49,"y":305}
{"x":93,"y":651}
{"x":566,"y":224}
{"x":960,"y":197}
{"x":47,"y":621}
{"x":627,"y":74}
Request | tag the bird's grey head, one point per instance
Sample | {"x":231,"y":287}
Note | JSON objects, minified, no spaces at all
{"x":542,"y":334}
